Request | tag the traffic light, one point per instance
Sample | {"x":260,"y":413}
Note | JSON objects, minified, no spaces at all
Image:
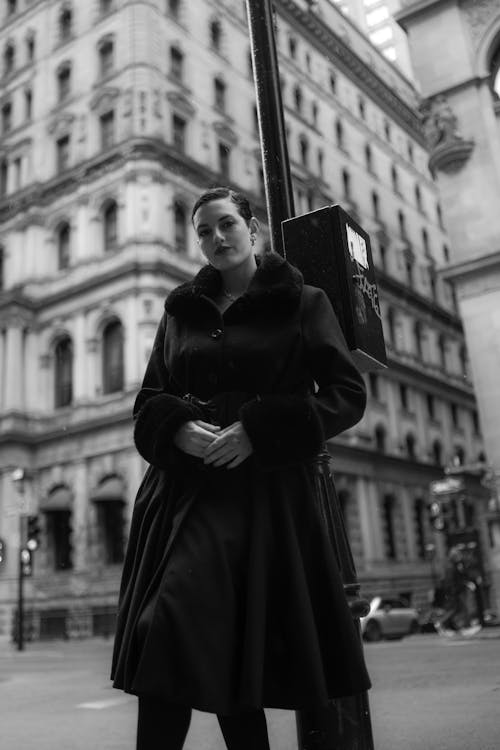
{"x":2,"y":550}
{"x":26,"y":562}
{"x":33,"y":539}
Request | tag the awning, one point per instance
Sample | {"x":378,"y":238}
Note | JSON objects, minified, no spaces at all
{"x":109,"y":489}
{"x":60,"y":498}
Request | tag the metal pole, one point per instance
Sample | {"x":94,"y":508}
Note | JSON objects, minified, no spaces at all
{"x":20,"y":591}
{"x":277,"y":178}
{"x":346,"y":724}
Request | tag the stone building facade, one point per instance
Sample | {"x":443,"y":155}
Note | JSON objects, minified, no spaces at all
{"x":114,"y":115}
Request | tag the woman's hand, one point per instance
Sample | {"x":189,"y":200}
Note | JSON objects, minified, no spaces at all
{"x":195,"y":436}
{"x":231,"y":446}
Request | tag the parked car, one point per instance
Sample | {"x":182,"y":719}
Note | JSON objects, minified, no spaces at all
{"x":389,"y":618}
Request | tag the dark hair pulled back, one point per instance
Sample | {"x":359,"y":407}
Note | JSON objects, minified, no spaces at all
{"x":218,"y":193}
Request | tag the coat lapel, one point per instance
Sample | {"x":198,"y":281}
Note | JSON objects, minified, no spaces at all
{"x":274,"y":291}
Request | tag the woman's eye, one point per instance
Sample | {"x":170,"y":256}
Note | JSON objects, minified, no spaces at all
{"x":227,"y":224}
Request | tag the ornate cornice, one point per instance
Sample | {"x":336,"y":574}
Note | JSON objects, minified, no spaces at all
{"x":354,"y":67}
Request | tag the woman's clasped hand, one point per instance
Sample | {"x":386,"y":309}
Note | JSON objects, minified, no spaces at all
{"x":216,"y":446}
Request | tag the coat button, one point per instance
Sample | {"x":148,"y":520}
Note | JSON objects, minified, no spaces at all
{"x":216,"y":333}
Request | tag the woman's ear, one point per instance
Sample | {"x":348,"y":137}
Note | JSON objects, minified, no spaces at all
{"x":254,"y":225}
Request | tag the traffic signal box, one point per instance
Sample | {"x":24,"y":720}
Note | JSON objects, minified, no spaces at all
{"x":33,"y":533}
{"x":333,"y":252}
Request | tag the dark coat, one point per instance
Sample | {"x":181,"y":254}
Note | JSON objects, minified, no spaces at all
{"x":231,"y":597}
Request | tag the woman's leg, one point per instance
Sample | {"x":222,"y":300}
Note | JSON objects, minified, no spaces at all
{"x":245,"y":731}
{"x":160,"y":725}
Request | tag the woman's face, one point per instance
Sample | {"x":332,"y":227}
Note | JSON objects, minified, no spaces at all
{"x":223,"y":234}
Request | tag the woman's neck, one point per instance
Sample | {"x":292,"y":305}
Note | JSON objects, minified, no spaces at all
{"x":235,"y":281}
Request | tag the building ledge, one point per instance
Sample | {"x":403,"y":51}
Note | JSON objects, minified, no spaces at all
{"x":484,"y":264}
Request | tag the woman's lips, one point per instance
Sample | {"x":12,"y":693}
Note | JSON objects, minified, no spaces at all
{"x":221,"y":249}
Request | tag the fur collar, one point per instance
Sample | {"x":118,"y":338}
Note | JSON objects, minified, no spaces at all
{"x":275,"y":289}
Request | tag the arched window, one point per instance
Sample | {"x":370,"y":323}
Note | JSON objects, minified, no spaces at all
{"x":437,"y":453}
{"x":402,"y":225}
{"x":9,"y":59}
{"x":304,"y":150}
{"x":63,"y":372}
{"x":63,"y":246}
{"x":63,"y":81}
{"x":216,"y":35}
{"x":388,"y":525}
{"x":395,"y":179}
{"x":346,"y":183}
{"x":297,"y":95}
{"x":418,"y":198}
{"x":173,"y":8}
{"x":380,"y":439}
{"x":419,"y":516}
{"x":109,"y":502}
{"x":112,"y":357}
{"x":180,"y":222}
{"x":110,"y":226}
{"x":339,"y":134}
{"x":57,"y":512}
{"x":176,"y":63}
{"x":368,"y":157}
{"x":410,"y":444}
{"x":106,"y":49}
{"x":65,"y":23}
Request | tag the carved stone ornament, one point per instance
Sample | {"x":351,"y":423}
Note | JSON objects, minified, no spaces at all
{"x":104,"y":99}
{"x":480,"y":14}
{"x":225,"y":133}
{"x":449,"y":150}
{"x":61,"y":124}
{"x":181,"y":103}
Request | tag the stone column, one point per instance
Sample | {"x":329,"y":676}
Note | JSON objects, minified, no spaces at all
{"x":15,"y":370}
{"x":409,"y":523}
{"x":369,"y":518}
{"x":79,"y":520}
{"x":80,"y":384}
{"x":131,"y":344}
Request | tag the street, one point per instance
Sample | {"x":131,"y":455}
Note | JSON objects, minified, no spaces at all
{"x":428,"y":693}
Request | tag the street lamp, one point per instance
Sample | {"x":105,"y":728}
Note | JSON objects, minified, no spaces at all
{"x":28,"y":542}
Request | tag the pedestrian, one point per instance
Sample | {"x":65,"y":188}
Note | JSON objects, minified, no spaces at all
{"x":231,"y":599}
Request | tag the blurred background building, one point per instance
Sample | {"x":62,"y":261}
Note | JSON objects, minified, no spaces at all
{"x":114,"y":115}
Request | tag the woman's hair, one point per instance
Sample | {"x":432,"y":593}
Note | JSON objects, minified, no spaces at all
{"x":215,"y":194}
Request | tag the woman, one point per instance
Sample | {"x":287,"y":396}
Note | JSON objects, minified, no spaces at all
{"x":231,"y":599}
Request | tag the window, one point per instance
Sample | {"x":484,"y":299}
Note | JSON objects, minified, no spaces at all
{"x":410,"y":446}
{"x":395,"y":179}
{"x":431,"y":406}
{"x":418,"y":198}
{"x":382,"y":251}
{"x":216,"y":35}
{"x":391,"y":325}
{"x":387,"y":130}
{"x":180,"y":224}
{"x":2,"y":268}
{"x":425,"y":242}
{"x":63,"y":82}
{"x":4,"y":177}
{"x":173,"y":8}
{"x":437,"y":453}
{"x":419,"y":516}
{"x":339,"y":134}
{"x":368,"y":157}
{"x":380,"y":439}
{"x":220,"y":94}
{"x":409,"y":268}
{"x":105,"y":6}
{"x":464,"y":361}
{"x":179,"y":133}
{"x":403,"y":396}
{"x":176,"y":63}
{"x":112,"y":357}
{"x":314,"y":114}
{"x":475,"y":423}
{"x":442,"y":351}
{"x":375,"y":205}
{"x":439,"y":215}
{"x":9,"y":59}
{"x":110,"y":226}
{"x":292,"y":47}
{"x":321,"y":159}
{"x":28,"y":104}
{"x":410,"y":151}
{"x":297,"y":96}
{"x":110,"y":526}
{"x":11,"y":7}
{"x":224,"y":160}
{"x":361,"y":107}
{"x":63,"y":246}
{"x":333,"y":83}
{"x":7,"y":117}
{"x":454,"y":416}
{"x":30,"y":48}
{"x":62,"y":153}
{"x":65,"y":24}
{"x":17,"y":166}
{"x":346,"y":183}
{"x":402,"y":225}
{"x":418,"y":337}
{"x":107,"y":128}
{"x":63,"y":380}
{"x":106,"y":57}
{"x":388,"y":512}
{"x":59,"y":538}
{"x":304,"y":150}
{"x":432,"y":281}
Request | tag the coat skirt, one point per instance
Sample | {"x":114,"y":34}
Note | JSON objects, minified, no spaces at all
{"x":231,"y":597}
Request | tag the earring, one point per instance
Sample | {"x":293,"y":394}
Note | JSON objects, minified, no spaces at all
{"x":252,"y":239}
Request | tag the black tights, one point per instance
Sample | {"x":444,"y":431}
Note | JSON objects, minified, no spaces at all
{"x":162,"y":726}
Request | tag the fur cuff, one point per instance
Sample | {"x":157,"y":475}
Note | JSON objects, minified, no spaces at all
{"x":156,"y":425}
{"x":283,"y":430}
